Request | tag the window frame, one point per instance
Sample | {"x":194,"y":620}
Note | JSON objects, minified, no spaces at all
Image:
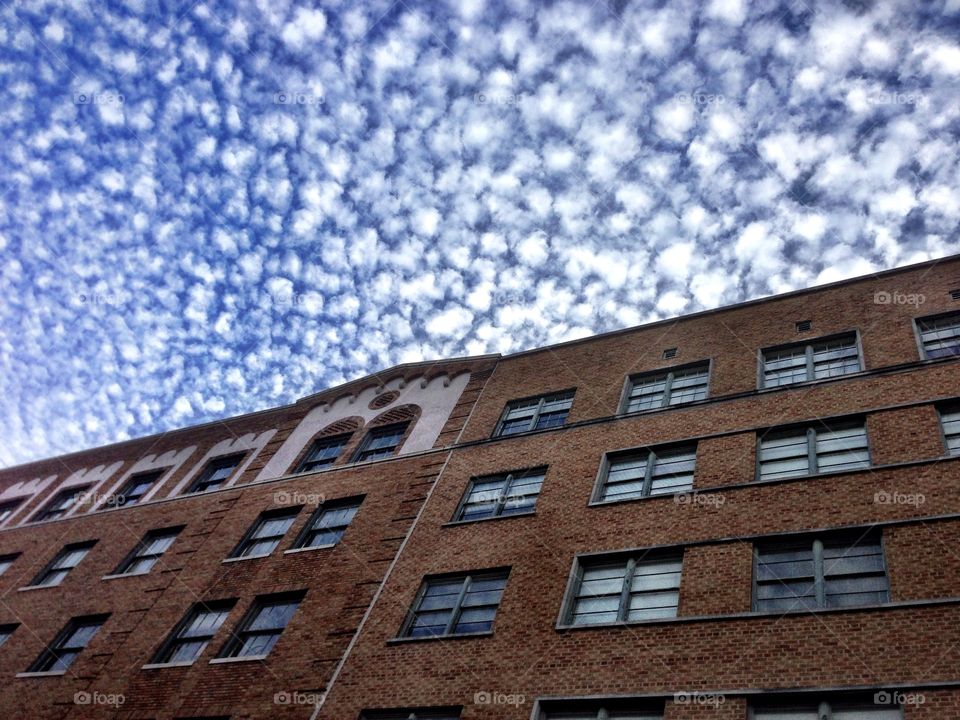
{"x":808,"y":344}
{"x":669,"y":372}
{"x":171,"y":642}
{"x":466,"y":579}
{"x":647,"y":708}
{"x":209,"y":469}
{"x":318,"y":442}
{"x":814,"y":425}
{"x":122,"y":569}
{"x":815,"y":541}
{"x":509,"y":478}
{"x":535,"y":418}
{"x":77,"y":491}
{"x":43,"y":664}
{"x":249,"y":538}
{"x":48,"y":569}
{"x":949,"y":407}
{"x":131,"y":481}
{"x":14,"y":504}
{"x":372,"y":433}
{"x":231,"y":647}
{"x":6,"y":632}
{"x":604,"y":470}
{"x":10,"y":558}
{"x":918,"y":334}
{"x":417,"y":713}
{"x":299,"y":541}
{"x":824,"y":708}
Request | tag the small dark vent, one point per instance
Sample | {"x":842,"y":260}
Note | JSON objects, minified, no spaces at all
{"x":340,"y":427}
{"x":669,"y":353}
{"x":383,"y":399}
{"x":804,"y":325}
{"x":955,"y":294}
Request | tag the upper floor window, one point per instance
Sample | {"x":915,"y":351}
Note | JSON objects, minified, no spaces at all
{"x":194,"y":632}
{"x":63,"y":562}
{"x":818,"y":360}
{"x":6,"y":631}
{"x":323,"y":452}
{"x":950,"y":421}
{"x":328,"y":523}
{"x":60,"y":654}
{"x":413,"y":714}
{"x":649,"y":471}
{"x":150,"y":549}
{"x":537,"y":413}
{"x":381,"y":442}
{"x":813,"y":710}
{"x":215,"y":474}
{"x":61,"y":503}
{"x":6,"y":561}
{"x":823,"y":572}
{"x":266,"y":533}
{"x":664,"y":388}
{"x":135,"y":488}
{"x":262,"y":626}
{"x":497,"y":495}
{"x":604,"y":709}
{"x":813,"y":450}
{"x":940,"y":336}
{"x":625,"y":589}
{"x":8,"y":508}
{"x":456,"y":604}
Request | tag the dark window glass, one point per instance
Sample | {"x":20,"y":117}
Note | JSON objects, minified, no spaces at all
{"x":625,"y":589}
{"x":194,"y":632}
{"x":262,"y":626}
{"x":135,"y":488}
{"x":215,"y":474}
{"x":9,"y":508}
{"x":61,"y":503}
{"x":266,"y":533}
{"x":323,"y":452}
{"x":813,"y":450}
{"x":505,"y":494}
{"x":69,"y":643}
{"x":650,"y":471}
{"x":537,"y":413}
{"x":650,"y":391}
{"x":61,"y":565}
{"x":328,"y":523}
{"x":380,"y":442}
{"x":940,"y":337}
{"x":153,"y":545}
{"x":811,"y":361}
{"x":6,"y":561}
{"x":456,"y":605}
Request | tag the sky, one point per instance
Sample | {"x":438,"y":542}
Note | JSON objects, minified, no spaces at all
{"x":209,"y":208}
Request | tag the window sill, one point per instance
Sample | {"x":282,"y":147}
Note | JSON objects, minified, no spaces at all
{"x":248,"y":658}
{"x":45,"y":673}
{"x":659,"y":496}
{"x":245,"y":557}
{"x":815,"y":381}
{"x":27,"y":588}
{"x":455,"y":523}
{"x":158,"y":666}
{"x":293,"y":551}
{"x":429,"y":638}
{"x":115,"y":576}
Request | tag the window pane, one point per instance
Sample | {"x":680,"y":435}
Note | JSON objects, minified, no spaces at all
{"x":654,"y":591}
{"x":842,"y":449}
{"x":598,"y":596}
{"x":784,"y":456}
{"x":526,"y":415}
{"x":940,"y":336}
{"x":951,"y":430}
{"x":673,"y":470}
{"x":438,"y":604}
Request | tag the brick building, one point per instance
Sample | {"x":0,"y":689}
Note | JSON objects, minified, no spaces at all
{"x":750,"y":512}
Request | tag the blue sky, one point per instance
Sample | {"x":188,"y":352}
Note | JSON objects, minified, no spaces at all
{"x":208,"y":208}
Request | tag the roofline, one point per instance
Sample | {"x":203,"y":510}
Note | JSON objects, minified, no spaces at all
{"x":737,"y":306}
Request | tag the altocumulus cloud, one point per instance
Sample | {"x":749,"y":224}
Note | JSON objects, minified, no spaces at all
{"x":211,"y":207}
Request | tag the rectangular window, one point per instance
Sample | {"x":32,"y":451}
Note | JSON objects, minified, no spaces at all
{"x":940,"y":336}
{"x":262,"y":626}
{"x":820,"y":573}
{"x":69,"y":643}
{"x":8,"y":508}
{"x":626,"y":589}
{"x":192,"y":634}
{"x":666,"y":388}
{"x":266,"y":533}
{"x":456,"y":605}
{"x":536,"y":413}
{"x":511,"y":493}
{"x":813,"y":450}
{"x":950,"y":421}
{"x":135,"y":488}
{"x":650,"y":471}
{"x":605,"y":709}
{"x":827,"y":711}
{"x":215,"y":474}
{"x":6,"y":561}
{"x":145,"y":555}
{"x":412,"y":714}
{"x":380,"y":442}
{"x":323,"y":452}
{"x":61,"y":565}
{"x":789,"y":364}
{"x":328,"y":523}
{"x":61,"y":503}
{"x":6,"y":631}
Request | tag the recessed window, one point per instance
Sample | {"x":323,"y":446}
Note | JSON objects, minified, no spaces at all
{"x":604,"y":709}
{"x":266,"y":533}
{"x":6,"y":631}
{"x":827,"y":711}
{"x":955,"y":294}
{"x":940,"y":336}
{"x":669,"y":353}
{"x":328,"y":523}
{"x":412,"y":714}
{"x":135,"y":488}
{"x":150,"y":549}
{"x":262,"y":626}
{"x":8,"y":508}
{"x":632,"y":474}
{"x":61,"y":565}
{"x":820,"y":573}
{"x":456,"y":605}
{"x":665,"y":388}
{"x":71,"y":641}
{"x":819,"y":360}
{"x":813,"y":450}
{"x":510,"y":493}
{"x":323,"y":452}
{"x":380,"y":442}
{"x":192,"y":634}
{"x":6,"y":561}
{"x":537,"y":413}
{"x":611,"y":589}
{"x":950,"y":421}
{"x":804,"y":326}
{"x":215,"y":474}
{"x":61,"y":503}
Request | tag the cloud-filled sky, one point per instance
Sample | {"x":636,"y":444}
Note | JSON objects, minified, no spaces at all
{"x":209,"y":207}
